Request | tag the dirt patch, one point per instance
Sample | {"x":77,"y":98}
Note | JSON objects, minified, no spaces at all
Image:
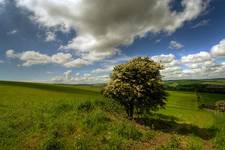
{"x":207,"y":145}
{"x":159,"y":140}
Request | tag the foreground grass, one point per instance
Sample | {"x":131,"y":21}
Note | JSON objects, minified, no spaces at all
{"x":43,"y":116}
{"x":56,"y":118}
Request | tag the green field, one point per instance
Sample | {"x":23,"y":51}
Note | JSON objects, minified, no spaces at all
{"x":44,"y":116}
{"x":184,"y":106}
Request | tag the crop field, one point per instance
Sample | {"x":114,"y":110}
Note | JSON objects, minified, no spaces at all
{"x":47,"y":116}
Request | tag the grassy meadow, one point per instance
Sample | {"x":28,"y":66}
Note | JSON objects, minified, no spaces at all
{"x":50,"y":117}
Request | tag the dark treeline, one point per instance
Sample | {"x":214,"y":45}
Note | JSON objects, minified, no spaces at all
{"x":209,"y":88}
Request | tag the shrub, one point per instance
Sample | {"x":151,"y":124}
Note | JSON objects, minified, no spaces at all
{"x":112,"y":143}
{"x":149,"y":135}
{"x":109,"y":106}
{"x":86,"y":106}
{"x":194,"y":146}
{"x":61,"y":108}
{"x":83,"y":142}
{"x":128,"y":131}
{"x":52,"y":143}
{"x":96,"y":121}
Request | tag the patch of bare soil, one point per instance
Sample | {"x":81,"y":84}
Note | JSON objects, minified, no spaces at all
{"x":207,"y":145}
{"x":159,"y":140}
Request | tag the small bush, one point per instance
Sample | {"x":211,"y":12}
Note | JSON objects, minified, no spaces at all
{"x":62,"y":108}
{"x":96,"y":122}
{"x":83,"y":142}
{"x":109,"y":106}
{"x":128,"y":131}
{"x":194,"y":146}
{"x":149,"y":135}
{"x":52,"y":143}
{"x":86,"y":106}
{"x":112,"y":143}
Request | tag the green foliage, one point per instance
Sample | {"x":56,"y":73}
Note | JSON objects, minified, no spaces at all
{"x":52,"y":143}
{"x":83,"y":142}
{"x":137,"y":85}
{"x":96,"y":122}
{"x":194,"y":146}
{"x":127,"y":130}
{"x":85,"y":106}
{"x":112,"y":143}
{"x":149,"y":135}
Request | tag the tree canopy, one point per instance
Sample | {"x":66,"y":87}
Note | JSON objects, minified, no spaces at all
{"x":137,"y":85}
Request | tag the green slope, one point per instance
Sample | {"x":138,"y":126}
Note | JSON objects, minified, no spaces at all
{"x":45,"y":116}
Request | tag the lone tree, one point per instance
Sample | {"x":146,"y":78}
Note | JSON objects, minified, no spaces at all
{"x":137,"y":85}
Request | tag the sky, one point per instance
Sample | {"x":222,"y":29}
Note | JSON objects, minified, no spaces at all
{"x":80,"y":41}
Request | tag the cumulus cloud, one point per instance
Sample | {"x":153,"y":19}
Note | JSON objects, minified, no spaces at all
{"x":77,"y":63}
{"x":198,"y":57}
{"x":219,"y":49}
{"x":106,"y":69}
{"x":164,"y":58}
{"x":30,"y":58}
{"x":102,"y":26}
{"x":175,"y":45}
{"x":86,"y":78}
{"x":193,"y":66}
{"x":50,"y":36}
{"x":11,"y":54}
{"x":61,"y":58}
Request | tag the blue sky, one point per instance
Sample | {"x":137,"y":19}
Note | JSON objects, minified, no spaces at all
{"x":79,"y":41}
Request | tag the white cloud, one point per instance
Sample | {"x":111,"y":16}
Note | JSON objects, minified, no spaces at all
{"x":171,"y":65}
{"x":102,"y":26}
{"x":219,"y":49}
{"x":106,"y":69}
{"x":61,"y":58}
{"x":30,"y":58}
{"x":86,"y":78}
{"x":198,"y":57}
{"x":77,"y":63}
{"x":201,"y":23}
{"x":50,"y":36}
{"x":1,"y":62}
{"x":175,"y":45}
{"x":194,"y":66}
{"x":68,"y":75}
{"x":164,"y":58}
{"x":12,"y":32}
{"x":11,"y":54}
